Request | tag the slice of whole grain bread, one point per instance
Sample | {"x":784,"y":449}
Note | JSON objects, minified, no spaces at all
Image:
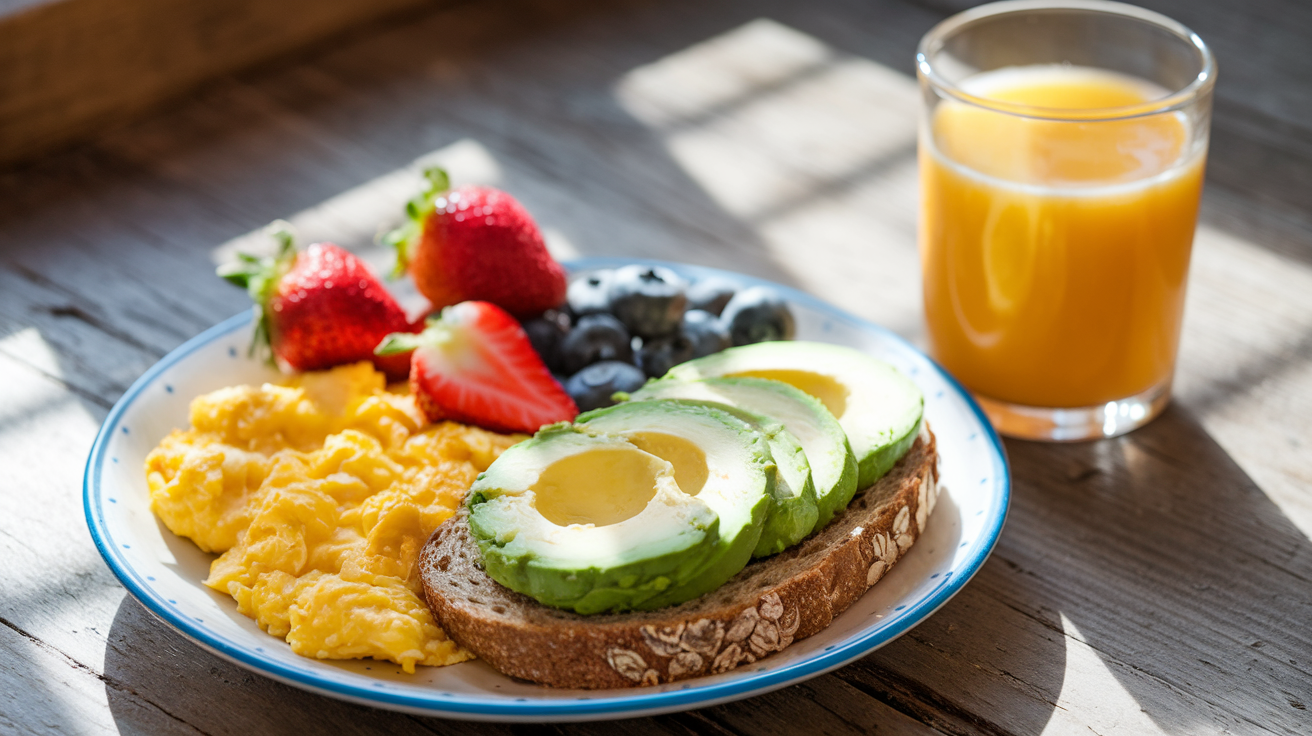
{"x":764,"y":608}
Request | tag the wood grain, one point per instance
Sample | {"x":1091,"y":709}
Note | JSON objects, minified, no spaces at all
{"x":1157,"y":583}
{"x":69,"y":69}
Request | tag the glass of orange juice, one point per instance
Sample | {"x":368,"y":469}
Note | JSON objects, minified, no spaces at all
{"x":1062,"y":147}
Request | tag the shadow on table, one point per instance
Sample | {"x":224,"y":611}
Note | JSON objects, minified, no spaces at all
{"x":1170,"y":564}
{"x":158,"y":682}
{"x":1147,"y":574}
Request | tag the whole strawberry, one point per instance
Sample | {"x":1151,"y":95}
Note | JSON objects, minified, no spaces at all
{"x":475,"y":364}
{"x":476,"y":243}
{"x":319,"y":308}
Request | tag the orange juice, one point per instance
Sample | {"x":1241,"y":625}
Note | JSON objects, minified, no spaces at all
{"x":1055,"y":247}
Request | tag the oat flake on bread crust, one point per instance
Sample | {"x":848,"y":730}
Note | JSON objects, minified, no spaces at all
{"x":760,"y":611}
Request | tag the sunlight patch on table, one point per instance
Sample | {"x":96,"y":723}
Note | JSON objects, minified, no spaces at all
{"x":42,"y":692}
{"x":764,"y":114}
{"x":29,"y":347}
{"x":1245,"y":365}
{"x":356,"y":218}
{"x":716,"y":73}
{"x":57,"y":589}
{"x":811,"y":148}
{"x":1115,"y":710}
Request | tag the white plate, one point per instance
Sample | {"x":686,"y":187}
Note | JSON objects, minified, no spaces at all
{"x":164,"y":572}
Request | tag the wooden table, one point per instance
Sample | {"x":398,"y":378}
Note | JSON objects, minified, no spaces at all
{"x":1156,"y":583}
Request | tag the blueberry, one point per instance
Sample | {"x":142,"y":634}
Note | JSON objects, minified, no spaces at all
{"x":596,"y":337}
{"x":711,"y":294}
{"x":592,"y":387}
{"x":660,"y":354}
{"x":758,"y":314}
{"x":589,"y":293}
{"x":706,"y":332}
{"x":648,"y":299}
{"x":545,"y":333}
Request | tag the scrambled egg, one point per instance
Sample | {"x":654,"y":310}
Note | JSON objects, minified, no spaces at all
{"x":319,"y":494}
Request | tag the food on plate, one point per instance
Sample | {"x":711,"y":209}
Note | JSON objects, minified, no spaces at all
{"x":476,"y":244}
{"x":649,"y":300}
{"x":757,"y":314}
{"x":639,"y":506}
{"x":830,"y":460}
{"x":646,"y":315}
{"x":708,"y":518}
{"x":320,"y":307}
{"x":793,"y":510}
{"x":705,"y":331}
{"x":595,"y":338}
{"x":711,"y":294}
{"x":657,"y":355}
{"x":589,"y":294}
{"x":474,"y":364}
{"x":594,"y":387}
{"x":762,"y":610}
{"x":878,"y":407}
{"x":660,"y":502}
{"x":319,"y":493}
{"x":545,"y":334}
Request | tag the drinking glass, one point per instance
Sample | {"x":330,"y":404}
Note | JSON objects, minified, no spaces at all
{"x":1062,"y":147}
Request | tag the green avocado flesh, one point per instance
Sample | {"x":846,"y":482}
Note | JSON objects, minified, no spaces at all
{"x":878,"y":408}
{"x":637,"y":506}
{"x":828,"y":458}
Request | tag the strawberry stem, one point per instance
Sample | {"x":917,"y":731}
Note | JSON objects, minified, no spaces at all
{"x":406,"y":237}
{"x":260,"y":277}
{"x":438,"y":331}
{"x":397,"y":343}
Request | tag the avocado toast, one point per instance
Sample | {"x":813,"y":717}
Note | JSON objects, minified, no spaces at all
{"x":767,"y":606}
{"x":709,"y":519}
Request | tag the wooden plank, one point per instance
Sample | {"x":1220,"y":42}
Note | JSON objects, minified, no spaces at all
{"x":824,"y":705}
{"x":1147,"y":566}
{"x":1142,"y":585}
{"x":50,"y":329}
{"x":74,"y":67}
{"x":42,"y":692}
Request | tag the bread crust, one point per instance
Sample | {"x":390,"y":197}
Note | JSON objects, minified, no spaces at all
{"x":762,"y":610}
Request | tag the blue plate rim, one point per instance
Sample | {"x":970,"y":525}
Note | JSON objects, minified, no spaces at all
{"x":642,"y":703}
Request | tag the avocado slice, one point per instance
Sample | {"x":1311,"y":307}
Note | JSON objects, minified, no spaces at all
{"x":879,"y":409}
{"x":830,"y":461}
{"x":639,"y":506}
{"x":795,"y":510}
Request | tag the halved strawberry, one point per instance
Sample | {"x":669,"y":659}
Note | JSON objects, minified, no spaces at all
{"x":474,"y":364}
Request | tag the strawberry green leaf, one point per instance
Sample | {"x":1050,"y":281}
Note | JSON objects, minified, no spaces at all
{"x":397,"y":343}
{"x":406,"y":237}
{"x":260,"y":277}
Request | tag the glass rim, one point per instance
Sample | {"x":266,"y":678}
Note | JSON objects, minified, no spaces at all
{"x":932,"y":42}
